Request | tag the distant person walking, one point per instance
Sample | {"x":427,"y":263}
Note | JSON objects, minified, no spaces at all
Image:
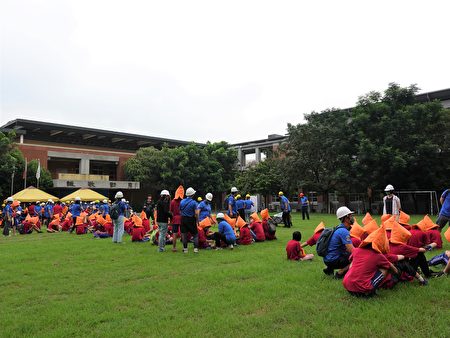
{"x":444,"y":214}
{"x":189,"y":220}
{"x":305,"y":206}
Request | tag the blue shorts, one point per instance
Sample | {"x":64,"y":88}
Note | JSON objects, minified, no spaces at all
{"x":377,"y":279}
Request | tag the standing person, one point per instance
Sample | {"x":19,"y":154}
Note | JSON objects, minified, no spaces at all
{"x":240,"y":206}
{"x":75,"y":210}
{"x":204,"y":208}
{"x":48,"y":212}
{"x":444,"y":214}
{"x":189,"y":220}
{"x":391,"y":203}
{"x":104,"y":208}
{"x":176,"y":215}
{"x":162,"y":218}
{"x":305,"y":206}
{"x":231,"y":203}
{"x":248,"y":207}
{"x":340,"y":246}
{"x":7,"y":216}
{"x":149,"y":207}
{"x":57,"y":209}
{"x":119,"y":222}
{"x":286,"y":209}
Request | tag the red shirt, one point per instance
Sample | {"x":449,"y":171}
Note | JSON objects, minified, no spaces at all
{"x":314,"y":238}
{"x":109,"y":228}
{"x":403,"y":249}
{"x":294,"y":250}
{"x":137,"y":234}
{"x":245,"y":237}
{"x":365,"y":263}
{"x":355,"y":241}
{"x":258,"y":230}
{"x":418,"y":238}
{"x":81,"y":229}
{"x":202,"y":238}
{"x":434,"y":236}
{"x":146,"y":225}
{"x":57,"y":209}
{"x":175,"y":210}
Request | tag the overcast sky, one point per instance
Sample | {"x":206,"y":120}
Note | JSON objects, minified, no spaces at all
{"x":211,"y":70}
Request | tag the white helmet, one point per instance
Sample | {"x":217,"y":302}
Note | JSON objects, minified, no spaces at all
{"x":105,"y":201}
{"x":209,"y":196}
{"x":343,"y":211}
{"x":124,"y":200}
{"x":50,"y":200}
{"x":190,"y":191}
{"x":9,"y":199}
{"x":389,"y":187}
{"x":119,"y":194}
{"x":77,"y":198}
{"x":234,"y":189}
{"x":165,"y":193}
{"x":220,"y":215}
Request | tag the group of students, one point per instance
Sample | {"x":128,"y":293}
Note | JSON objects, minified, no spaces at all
{"x":181,"y":217}
{"x":369,"y":257}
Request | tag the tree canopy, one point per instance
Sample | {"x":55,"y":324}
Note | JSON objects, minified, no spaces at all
{"x":11,"y":160}
{"x":210,"y":167}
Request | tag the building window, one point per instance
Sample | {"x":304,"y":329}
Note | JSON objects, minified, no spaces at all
{"x":103,"y":168}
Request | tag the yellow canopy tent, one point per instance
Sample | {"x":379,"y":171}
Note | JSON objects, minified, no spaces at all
{"x":86,"y":195}
{"x":32,"y":194}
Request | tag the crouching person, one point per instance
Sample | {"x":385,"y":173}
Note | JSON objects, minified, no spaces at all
{"x":225,"y":234}
{"x":369,"y":267}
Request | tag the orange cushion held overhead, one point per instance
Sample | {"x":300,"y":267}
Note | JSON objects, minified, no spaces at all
{"x":320,"y":227}
{"x":385,"y":217}
{"x":357,"y":230}
{"x":404,"y":218}
{"x":447,"y":234}
{"x":367,"y":218}
{"x":399,"y":235}
{"x":205,"y":223}
{"x":265,"y":214}
{"x":143,"y":215}
{"x":378,"y":239}
{"x":240,"y":222}
{"x":255,"y":217}
{"x":371,"y":226}
{"x":179,"y":193}
{"x":230,"y":221}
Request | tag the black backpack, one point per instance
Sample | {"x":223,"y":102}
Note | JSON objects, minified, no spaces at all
{"x":324,"y":241}
{"x":272,"y":226}
{"x":114,"y":211}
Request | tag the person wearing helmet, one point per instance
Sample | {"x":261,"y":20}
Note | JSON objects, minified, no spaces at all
{"x":119,"y":222}
{"x":230,"y":203}
{"x":104,"y":208}
{"x":286,"y":209}
{"x":75,"y":210}
{"x":248,"y":207}
{"x":204,"y":208}
{"x":305,"y":206}
{"x":240,"y":206}
{"x":340,"y":246}
{"x":7,"y":216}
{"x":444,"y":214}
{"x":162,"y":218}
{"x":225,"y":233}
{"x":391,"y":203}
{"x":189,"y":220}
{"x":48,"y":212}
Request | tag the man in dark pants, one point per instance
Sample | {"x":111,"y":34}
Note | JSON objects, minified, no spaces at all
{"x":340,"y":246}
{"x":189,"y":220}
{"x":286,"y":209}
{"x":305,"y":205}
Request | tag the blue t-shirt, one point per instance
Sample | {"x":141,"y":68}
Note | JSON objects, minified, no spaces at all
{"x":227,"y":230}
{"x":231,"y":201}
{"x":445,"y":210}
{"x":284,"y":204}
{"x":76,"y":209}
{"x":37,"y":210}
{"x":7,"y":210}
{"x":104,"y":209}
{"x":205,"y":210}
{"x":336,"y":247}
{"x":240,"y":204}
{"x":188,"y":207}
{"x":304,"y":201}
{"x":48,"y":210}
{"x":122,"y":207}
{"x":248,"y":204}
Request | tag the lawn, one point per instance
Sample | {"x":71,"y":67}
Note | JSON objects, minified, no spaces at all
{"x":61,"y":285}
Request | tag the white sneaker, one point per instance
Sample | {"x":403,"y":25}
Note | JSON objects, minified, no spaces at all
{"x":185,"y":251}
{"x":231,"y":246}
{"x":195,"y":250}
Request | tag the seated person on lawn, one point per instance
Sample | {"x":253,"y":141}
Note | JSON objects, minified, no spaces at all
{"x":294,"y":250}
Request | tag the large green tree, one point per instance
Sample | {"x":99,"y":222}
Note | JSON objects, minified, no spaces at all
{"x":209,"y":167}
{"x":45,"y":180}
{"x":11,"y":161}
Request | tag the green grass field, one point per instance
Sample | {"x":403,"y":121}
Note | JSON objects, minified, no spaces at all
{"x":61,"y":285}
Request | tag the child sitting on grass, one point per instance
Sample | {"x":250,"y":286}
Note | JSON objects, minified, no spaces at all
{"x":295,"y":251}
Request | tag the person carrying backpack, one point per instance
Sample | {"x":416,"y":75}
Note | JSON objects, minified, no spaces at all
{"x":340,"y":245}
